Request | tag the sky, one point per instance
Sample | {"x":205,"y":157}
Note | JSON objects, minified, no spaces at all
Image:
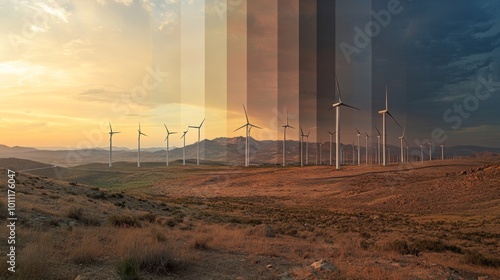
{"x":69,"y":68}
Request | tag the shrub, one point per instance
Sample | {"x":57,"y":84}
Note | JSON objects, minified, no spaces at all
{"x":402,"y":247}
{"x":128,"y":269}
{"x":476,"y":258}
{"x":124,"y":221}
{"x":75,"y":213}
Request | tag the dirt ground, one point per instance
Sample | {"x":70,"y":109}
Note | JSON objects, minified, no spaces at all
{"x":436,"y":220}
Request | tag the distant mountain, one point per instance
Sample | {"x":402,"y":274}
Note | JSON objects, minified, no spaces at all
{"x":229,"y":151}
{"x":15,"y":149}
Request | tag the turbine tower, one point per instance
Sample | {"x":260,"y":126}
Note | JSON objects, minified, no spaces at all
{"x":111,"y":132}
{"x":442,"y":150}
{"x":401,"y":138}
{"x":422,"y":153}
{"x":198,"y":145}
{"x":248,"y":126}
{"x":184,"y":147}
{"x":166,"y":139}
{"x":302,"y":135}
{"x":384,"y":128}
{"x":307,"y":147}
{"x":331,"y":135}
{"x":367,"y":136}
{"x":378,"y":146}
{"x":359,"y":150}
{"x":139,"y":145}
{"x":284,"y":138}
{"x":430,"y":150}
{"x":337,"y":122}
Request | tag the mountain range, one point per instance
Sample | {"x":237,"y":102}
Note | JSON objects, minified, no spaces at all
{"x":229,"y":151}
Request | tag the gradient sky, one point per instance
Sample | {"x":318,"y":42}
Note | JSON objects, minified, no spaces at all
{"x":67,"y":68}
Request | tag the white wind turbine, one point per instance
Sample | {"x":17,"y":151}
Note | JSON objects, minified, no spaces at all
{"x":422,"y":153}
{"x":378,"y":146}
{"x":430,"y":150}
{"x":284,"y":138}
{"x":384,"y":128}
{"x":320,"y":151}
{"x":367,"y":136}
{"x":407,"y":152}
{"x":166,"y":139}
{"x":359,"y":150}
{"x":184,"y":147}
{"x":337,"y":122}
{"x":442,"y":150}
{"x":248,"y":126}
{"x":198,"y":144}
{"x":331,"y":135}
{"x":401,"y":138}
{"x":307,"y":147}
{"x":139,"y":145}
{"x":302,"y":135}
{"x":111,"y":132}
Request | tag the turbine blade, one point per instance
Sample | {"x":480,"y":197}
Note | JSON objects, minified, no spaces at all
{"x":202,"y":123}
{"x":301,"y":131}
{"x":251,"y":125}
{"x":291,"y":127}
{"x":240,"y":127}
{"x":386,"y":100}
{"x":377,"y":131}
{"x":406,"y":142}
{"x":394,"y":119}
{"x":110,"y":128}
{"x":246,"y":115}
{"x":343,"y":104}
{"x":404,"y":129}
{"x":338,"y":88}
{"x":357,"y":131}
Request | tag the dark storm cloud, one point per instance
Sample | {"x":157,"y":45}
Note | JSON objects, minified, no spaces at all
{"x":432,"y":55}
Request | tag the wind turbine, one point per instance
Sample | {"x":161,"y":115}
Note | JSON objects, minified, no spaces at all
{"x":139,"y":145}
{"x":422,"y":153}
{"x":378,"y":146}
{"x":284,"y":138}
{"x":352,"y":152}
{"x":407,"y":153}
{"x":184,"y":147}
{"x":320,"y":151}
{"x":337,"y":122}
{"x":430,"y":150}
{"x":307,"y":147}
{"x":331,"y":134}
{"x":248,"y":126}
{"x":302,"y":135}
{"x":367,"y":136}
{"x":384,"y":128}
{"x":359,"y":150}
{"x":401,"y":138}
{"x":198,"y":145}
{"x":166,"y":139}
{"x":111,"y":132}
{"x":442,"y":150}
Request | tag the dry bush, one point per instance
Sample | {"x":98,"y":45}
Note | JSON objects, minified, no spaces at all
{"x":77,"y":213}
{"x":124,"y":221}
{"x":37,"y":260}
{"x":141,"y":251}
{"x":88,"y":250}
{"x":476,"y":258}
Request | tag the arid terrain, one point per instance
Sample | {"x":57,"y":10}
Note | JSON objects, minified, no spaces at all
{"x":436,"y":220}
